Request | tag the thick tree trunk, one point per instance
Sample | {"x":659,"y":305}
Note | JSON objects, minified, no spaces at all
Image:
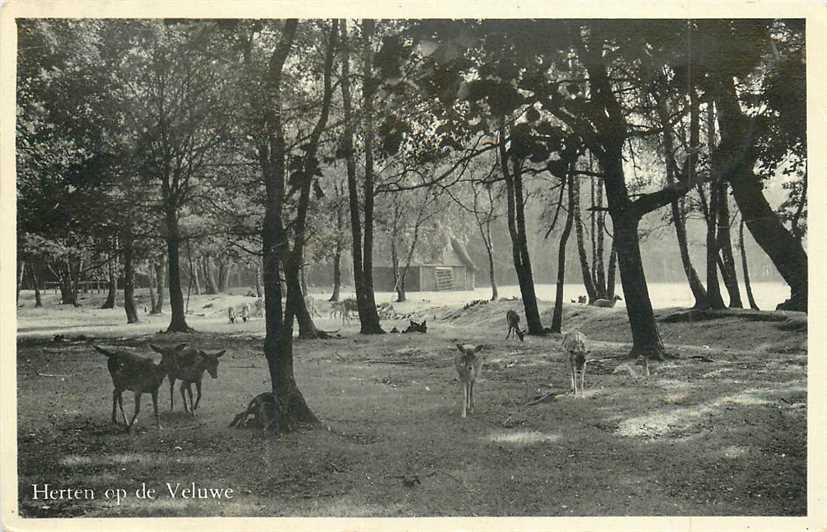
{"x":646,"y":339}
{"x":581,"y":246}
{"x":515,"y":214}
{"x":289,"y":405}
{"x":610,"y":276}
{"x":736,"y":162}
{"x":35,"y":277}
{"x":178,"y":320}
{"x":752,"y":304}
{"x":728,"y":272}
{"x":129,"y":278}
{"x":557,"y":317}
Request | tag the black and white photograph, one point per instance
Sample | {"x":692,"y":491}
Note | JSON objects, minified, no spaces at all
{"x":410,"y":267}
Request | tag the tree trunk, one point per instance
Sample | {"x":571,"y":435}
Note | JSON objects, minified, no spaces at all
{"x":695,"y":285}
{"x":35,"y":277}
{"x":129,"y":278}
{"x":289,"y":405}
{"x":337,"y":252}
{"x":736,"y":163}
{"x":752,"y":304}
{"x":209,"y":275}
{"x":713,"y":288}
{"x":224,"y":269}
{"x":610,"y":276}
{"x":557,"y":317}
{"x":489,"y":250}
{"x":112,"y":284}
{"x":178,"y":321}
{"x":728,"y":271}
{"x":21,"y":270}
{"x":581,"y":247}
{"x":515,"y":213}
{"x":196,"y":281}
{"x":76,"y":281}
{"x":159,"y":275}
{"x":153,"y":285}
{"x":600,"y":266}
{"x":362,"y":276}
{"x":259,"y":289}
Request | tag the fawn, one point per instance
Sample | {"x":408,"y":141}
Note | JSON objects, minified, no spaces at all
{"x":137,"y":374}
{"x":258,"y":413}
{"x":513,"y":320}
{"x":189,"y":368}
{"x":468,"y":365}
{"x":574,"y":342}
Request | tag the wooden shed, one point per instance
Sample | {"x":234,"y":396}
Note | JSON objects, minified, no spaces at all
{"x":453,"y":270}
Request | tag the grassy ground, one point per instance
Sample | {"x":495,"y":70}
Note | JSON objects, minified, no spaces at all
{"x":726,"y":437}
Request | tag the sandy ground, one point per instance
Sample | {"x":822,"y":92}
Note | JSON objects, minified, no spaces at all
{"x":720,"y":430}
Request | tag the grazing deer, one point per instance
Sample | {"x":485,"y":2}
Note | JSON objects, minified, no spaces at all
{"x":606,"y":303}
{"x":259,"y":413}
{"x":137,"y":374}
{"x":189,"y":367}
{"x":582,"y":300}
{"x":513,"y":320}
{"x":574,"y":342}
{"x":417,"y":327}
{"x":468,"y":365}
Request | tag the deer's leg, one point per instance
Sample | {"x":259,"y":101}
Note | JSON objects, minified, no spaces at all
{"x":137,"y":410}
{"x":507,"y":334}
{"x":171,"y":391}
{"x":464,"y":397}
{"x":189,"y":394}
{"x":114,"y":405}
{"x":183,"y":396}
{"x":198,"y":397}
{"x":471,"y":397}
{"x":155,"y":409}
{"x":120,"y":405}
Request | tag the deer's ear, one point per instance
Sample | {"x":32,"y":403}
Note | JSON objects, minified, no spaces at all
{"x":459,"y":346}
{"x":179,"y":347}
{"x":478,"y":348}
{"x":218,"y":355}
{"x":424,"y":322}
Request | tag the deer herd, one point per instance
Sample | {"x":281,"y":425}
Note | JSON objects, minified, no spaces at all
{"x":188,"y":364}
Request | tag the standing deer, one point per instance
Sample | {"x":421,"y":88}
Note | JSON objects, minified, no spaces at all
{"x":137,"y":374}
{"x":574,"y":342}
{"x":189,"y":367}
{"x":513,"y":320}
{"x":468,"y":365}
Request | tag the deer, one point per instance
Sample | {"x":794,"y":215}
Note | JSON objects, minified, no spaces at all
{"x":189,"y":367}
{"x":575,"y":344}
{"x":606,"y":303}
{"x":416,"y":327}
{"x":259,"y":306}
{"x":244,"y":313}
{"x":138,"y":374}
{"x":468,"y":364}
{"x":258,"y":413}
{"x":513,"y":320}
{"x":231,"y":314}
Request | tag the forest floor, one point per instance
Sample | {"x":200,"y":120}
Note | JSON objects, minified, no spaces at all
{"x":723,"y":433}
